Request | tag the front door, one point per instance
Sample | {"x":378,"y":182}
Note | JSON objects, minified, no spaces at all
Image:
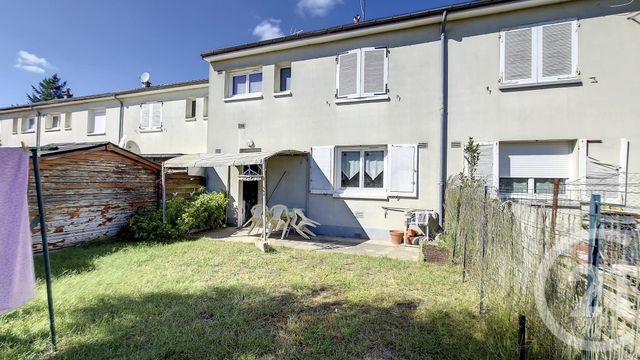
{"x":249,"y":194}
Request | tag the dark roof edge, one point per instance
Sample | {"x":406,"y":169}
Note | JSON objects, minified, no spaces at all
{"x":108,"y":146}
{"x":363,"y":25}
{"x":105,"y":95}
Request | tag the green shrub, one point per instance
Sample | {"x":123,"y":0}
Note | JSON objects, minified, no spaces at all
{"x":206,"y":212}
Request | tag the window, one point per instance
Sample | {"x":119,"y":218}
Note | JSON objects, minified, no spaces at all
{"x":540,"y":53}
{"x":361,"y":169}
{"x":52,"y":122}
{"x":285,"y":79}
{"x":28,"y":124}
{"x":16,"y":125}
{"x":191,"y":108}
{"x":246,"y":83}
{"x":97,"y":122}
{"x":362,"y":73}
{"x":531,"y":167}
{"x":205,"y":108}
{"x":151,"y":116}
{"x":67,"y":121}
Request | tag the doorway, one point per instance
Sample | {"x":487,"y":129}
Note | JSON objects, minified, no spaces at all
{"x":250,"y":192}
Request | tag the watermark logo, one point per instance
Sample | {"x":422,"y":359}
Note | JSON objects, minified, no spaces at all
{"x":591,"y":322}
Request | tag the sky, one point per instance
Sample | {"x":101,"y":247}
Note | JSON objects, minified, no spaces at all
{"x":101,"y":46}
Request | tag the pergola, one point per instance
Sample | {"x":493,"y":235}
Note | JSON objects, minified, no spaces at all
{"x":206,"y":160}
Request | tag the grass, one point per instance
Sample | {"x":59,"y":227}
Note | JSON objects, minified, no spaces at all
{"x":207,"y":299}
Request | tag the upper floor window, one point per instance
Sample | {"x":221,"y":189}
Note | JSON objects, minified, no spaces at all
{"x":151,"y":116}
{"x":285,"y":79}
{"x":540,"y":53}
{"x":67,"y":120}
{"x":97,"y":122}
{"x":362,"y":73}
{"x":247,"y":82}
{"x":28,"y":124}
{"x":52,"y":122}
{"x":205,"y":108}
{"x":16,"y":125}
{"x":190,"y":111}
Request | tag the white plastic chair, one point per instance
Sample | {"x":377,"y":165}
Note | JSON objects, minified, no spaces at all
{"x":279,"y":219}
{"x":300,"y":223}
{"x":256,"y":217}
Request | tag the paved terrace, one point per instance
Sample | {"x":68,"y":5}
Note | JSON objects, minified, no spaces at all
{"x":376,"y":248}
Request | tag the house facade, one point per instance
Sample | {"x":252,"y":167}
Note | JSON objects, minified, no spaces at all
{"x":535,"y":82}
{"x":155,"y":121}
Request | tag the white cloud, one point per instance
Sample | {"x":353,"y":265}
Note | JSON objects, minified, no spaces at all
{"x":268,"y":29}
{"x":32,"y":62}
{"x":316,"y":7}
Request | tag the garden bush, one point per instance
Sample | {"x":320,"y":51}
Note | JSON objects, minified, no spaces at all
{"x":204,"y":212}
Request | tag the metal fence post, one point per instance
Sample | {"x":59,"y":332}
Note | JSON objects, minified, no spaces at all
{"x":483,"y":234}
{"x":522,"y":336}
{"x":594,"y":262}
{"x":456,"y":233}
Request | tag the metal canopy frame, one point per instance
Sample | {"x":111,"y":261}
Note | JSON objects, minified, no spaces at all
{"x":228,"y":160}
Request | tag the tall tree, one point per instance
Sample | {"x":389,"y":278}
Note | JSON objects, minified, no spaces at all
{"x":48,"y":89}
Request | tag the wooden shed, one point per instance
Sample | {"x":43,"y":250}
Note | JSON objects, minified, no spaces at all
{"x":90,"y":189}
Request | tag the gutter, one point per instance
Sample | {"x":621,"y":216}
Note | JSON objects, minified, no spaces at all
{"x":443,"y":117}
{"x":457,"y":12}
{"x":121,"y":119}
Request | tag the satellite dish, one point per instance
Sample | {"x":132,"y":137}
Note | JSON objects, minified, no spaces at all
{"x":144,"y":77}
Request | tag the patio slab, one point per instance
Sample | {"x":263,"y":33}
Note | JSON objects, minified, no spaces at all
{"x":375,"y":248}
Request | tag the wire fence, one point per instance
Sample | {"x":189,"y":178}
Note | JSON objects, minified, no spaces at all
{"x":562,"y":265}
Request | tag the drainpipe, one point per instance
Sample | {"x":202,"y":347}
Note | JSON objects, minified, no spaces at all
{"x":121,"y":120}
{"x":443,"y":117}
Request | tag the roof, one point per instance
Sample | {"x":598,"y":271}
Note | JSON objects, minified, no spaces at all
{"x":61,"y":149}
{"x":230,"y":159}
{"x":107,"y":94}
{"x":362,"y":25}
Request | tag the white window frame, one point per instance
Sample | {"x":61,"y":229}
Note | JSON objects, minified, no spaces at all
{"x":247,"y":93}
{"x":30,"y":129}
{"x":15,"y":126}
{"x":536,"y":54}
{"x":92,"y":118}
{"x":187,"y":111}
{"x":360,"y":94}
{"x":68,"y":120}
{"x":361,"y":191}
{"x":48,"y":118}
{"x":205,"y":108}
{"x":531,"y":187}
{"x":149,"y":127}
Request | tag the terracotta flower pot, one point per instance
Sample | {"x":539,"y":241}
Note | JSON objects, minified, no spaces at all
{"x":397,"y":236}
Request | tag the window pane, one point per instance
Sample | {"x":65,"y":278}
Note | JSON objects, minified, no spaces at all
{"x":255,"y":82}
{"x":545,"y":186}
{"x":239,"y":85}
{"x":285,"y":79}
{"x":193,"y":108}
{"x":350,"y":165}
{"x":373,"y":169}
{"x":56,"y":121}
{"x":514,"y":185}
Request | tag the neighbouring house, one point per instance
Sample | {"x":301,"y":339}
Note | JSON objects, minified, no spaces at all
{"x":384,"y":107}
{"x":157,"y":122}
{"x":89,"y":190}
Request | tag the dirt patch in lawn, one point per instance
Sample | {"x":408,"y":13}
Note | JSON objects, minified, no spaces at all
{"x":434,"y":254}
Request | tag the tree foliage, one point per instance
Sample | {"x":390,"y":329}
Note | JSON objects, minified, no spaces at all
{"x":48,"y":89}
{"x":471,"y":158}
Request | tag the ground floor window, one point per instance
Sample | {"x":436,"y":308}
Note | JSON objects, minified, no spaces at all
{"x":530,"y":185}
{"x":361,"y":168}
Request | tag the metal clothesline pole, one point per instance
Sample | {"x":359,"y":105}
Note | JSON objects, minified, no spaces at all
{"x":35,"y":157}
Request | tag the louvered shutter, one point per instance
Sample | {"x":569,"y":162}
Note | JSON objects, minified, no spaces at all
{"x":535,"y":160}
{"x":374,"y":71}
{"x":403,"y":170}
{"x":486,"y":171}
{"x":348,"y":75}
{"x":557,"y":51}
{"x":517,"y":62}
{"x":145,"y":113}
{"x":156,"y":115}
{"x":321,"y":170}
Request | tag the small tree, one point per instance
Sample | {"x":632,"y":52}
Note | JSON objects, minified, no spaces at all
{"x":48,"y":89}
{"x":471,"y":158}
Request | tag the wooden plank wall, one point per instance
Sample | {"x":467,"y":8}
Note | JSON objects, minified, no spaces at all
{"x":90,"y":195}
{"x":183,"y":185}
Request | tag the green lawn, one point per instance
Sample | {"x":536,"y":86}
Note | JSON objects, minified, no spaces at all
{"x":208,"y":299}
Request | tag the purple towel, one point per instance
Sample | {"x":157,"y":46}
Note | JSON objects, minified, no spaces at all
{"x":17,"y":280}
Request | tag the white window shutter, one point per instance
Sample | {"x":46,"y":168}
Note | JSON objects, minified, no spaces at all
{"x":348,"y":75}
{"x":403,"y":170}
{"x":156,"y":115}
{"x":321,"y":170}
{"x":557,"y":51}
{"x":517,"y":61}
{"x":374,"y":71}
{"x":99,"y":122}
{"x":145,"y":114}
{"x":487,"y":170}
